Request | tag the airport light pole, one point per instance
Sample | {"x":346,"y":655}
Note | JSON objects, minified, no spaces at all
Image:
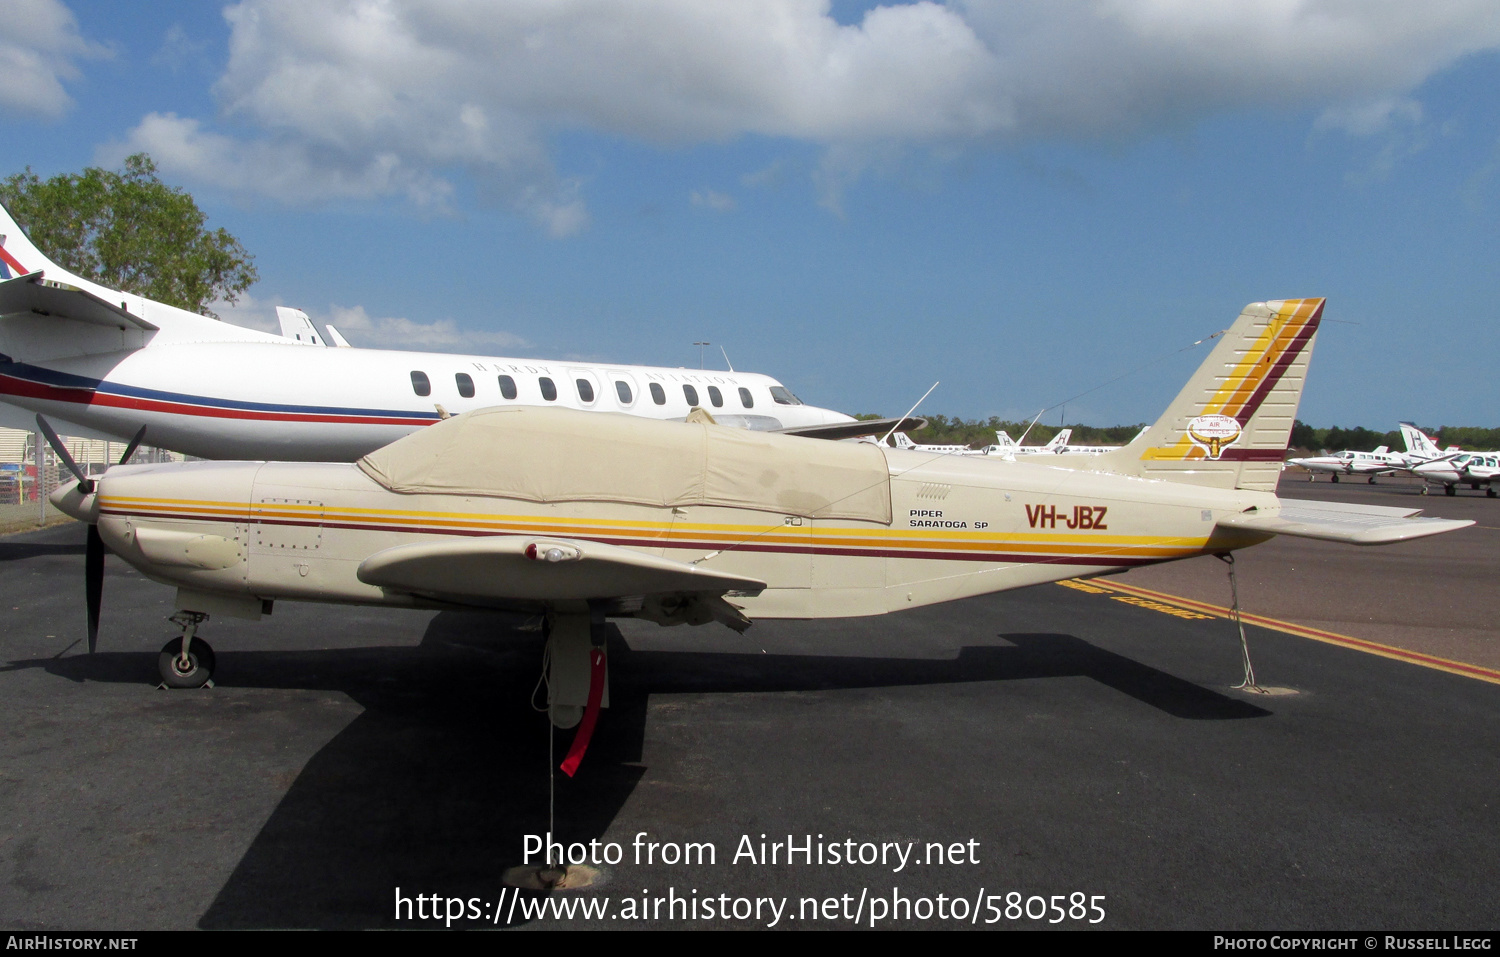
{"x":700,"y":346}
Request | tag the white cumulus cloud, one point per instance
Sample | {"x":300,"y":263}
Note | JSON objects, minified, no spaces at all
{"x":39,"y":49}
{"x":355,"y":98}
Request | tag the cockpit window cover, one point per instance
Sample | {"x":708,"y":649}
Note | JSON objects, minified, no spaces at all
{"x":558,"y":455}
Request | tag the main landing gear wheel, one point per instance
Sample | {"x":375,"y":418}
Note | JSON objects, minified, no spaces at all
{"x":193,"y":673}
{"x":1490,"y":492}
{"x":1450,"y":489}
{"x":1334,"y":476}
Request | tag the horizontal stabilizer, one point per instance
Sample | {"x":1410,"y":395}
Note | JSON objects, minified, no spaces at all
{"x":1341,"y":522}
{"x":33,"y":295}
{"x":862,"y":427}
{"x":519,"y":568}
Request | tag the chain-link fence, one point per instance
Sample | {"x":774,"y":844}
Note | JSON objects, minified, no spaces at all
{"x":27,"y":480}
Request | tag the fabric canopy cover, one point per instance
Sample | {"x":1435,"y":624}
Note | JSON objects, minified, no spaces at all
{"x":561,"y":455}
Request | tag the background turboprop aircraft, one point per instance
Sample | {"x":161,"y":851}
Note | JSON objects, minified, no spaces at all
{"x":104,"y":363}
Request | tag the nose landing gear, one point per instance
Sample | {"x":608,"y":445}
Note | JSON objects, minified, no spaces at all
{"x":186,"y":662}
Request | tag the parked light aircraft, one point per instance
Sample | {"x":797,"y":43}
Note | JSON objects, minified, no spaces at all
{"x":1061,"y":444}
{"x":901,"y":440}
{"x":579,"y":518}
{"x":1381,"y":461}
{"x":1473,"y":469}
{"x":1420,"y":448}
{"x":103,"y":363}
{"x":1006,"y":446}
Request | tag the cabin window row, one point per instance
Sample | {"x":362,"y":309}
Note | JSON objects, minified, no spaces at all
{"x":422,"y":386}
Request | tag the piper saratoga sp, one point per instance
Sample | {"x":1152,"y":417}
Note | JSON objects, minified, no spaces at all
{"x":579,"y":517}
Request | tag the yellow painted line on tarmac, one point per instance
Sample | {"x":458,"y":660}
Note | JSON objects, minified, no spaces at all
{"x":1148,"y":598}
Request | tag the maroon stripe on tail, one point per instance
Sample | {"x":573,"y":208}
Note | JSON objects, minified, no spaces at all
{"x":1288,"y":355}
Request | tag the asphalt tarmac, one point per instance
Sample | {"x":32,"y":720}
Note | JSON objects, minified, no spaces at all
{"x":1052,"y":741}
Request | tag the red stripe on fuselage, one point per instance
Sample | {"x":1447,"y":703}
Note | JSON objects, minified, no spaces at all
{"x":11,"y":385}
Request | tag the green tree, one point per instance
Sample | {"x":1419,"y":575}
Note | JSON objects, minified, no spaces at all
{"x":131,"y":231}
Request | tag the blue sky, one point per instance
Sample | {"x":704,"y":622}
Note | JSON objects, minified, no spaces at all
{"x":1023,"y":199}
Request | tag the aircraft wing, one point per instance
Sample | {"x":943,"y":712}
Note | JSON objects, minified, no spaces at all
{"x":1340,"y":522}
{"x":31,"y":294}
{"x":527,"y":569}
{"x":853,"y":430}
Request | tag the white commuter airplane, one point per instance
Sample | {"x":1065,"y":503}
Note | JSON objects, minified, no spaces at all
{"x":1381,"y":461}
{"x":103,"y":363}
{"x":1007,"y":447}
{"x":901,"y":440}
{"x":1473,"y":469}
{"x":1420,"y":448}
{"x":581,"y":518}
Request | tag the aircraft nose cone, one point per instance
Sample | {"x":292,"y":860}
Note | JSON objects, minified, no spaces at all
{"x":76,"y":504}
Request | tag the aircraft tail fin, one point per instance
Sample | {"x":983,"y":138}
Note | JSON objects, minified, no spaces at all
{"x":1059,"y":441}
{"x":1229,"y":426}
{"x":1003,"y":440}
{"x":19,"y":255}
{"x":1417,"y":441}
{"x":296,"y":325}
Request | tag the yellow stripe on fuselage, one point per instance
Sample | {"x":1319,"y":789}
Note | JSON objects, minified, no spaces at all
{"x":659,"y":533}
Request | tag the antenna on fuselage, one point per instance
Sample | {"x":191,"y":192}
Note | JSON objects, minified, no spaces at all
{"x":885,"y":438}
{"x":1028,"y":428}
{"x":726,"y":359}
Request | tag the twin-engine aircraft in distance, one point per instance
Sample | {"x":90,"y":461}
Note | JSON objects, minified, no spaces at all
{"x":1006,"y":447}
{"x":580,"y":517}
{"x":102,"y":363}
{"x":1420,"y":450}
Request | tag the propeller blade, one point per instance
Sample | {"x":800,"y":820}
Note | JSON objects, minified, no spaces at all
{"x":85,"y":484}
{"x":135,"y":443}
{"x":93,"y":582}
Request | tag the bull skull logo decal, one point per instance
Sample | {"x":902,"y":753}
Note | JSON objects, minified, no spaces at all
{"x":1214,"y":433}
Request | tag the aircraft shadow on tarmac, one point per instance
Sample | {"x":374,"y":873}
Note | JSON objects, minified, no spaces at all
{"x":435,"y":784}
{"x":15,"y":551}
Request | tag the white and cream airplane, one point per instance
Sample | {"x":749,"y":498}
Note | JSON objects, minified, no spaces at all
{"x":579,"y":517}
{"x":101,"y":363}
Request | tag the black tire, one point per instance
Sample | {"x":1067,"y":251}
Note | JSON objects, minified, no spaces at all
{"x":1490,"y":491}
{"x":199,"y":653}
{"x":1335,"y":476}
{"x":1450,"y":489}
